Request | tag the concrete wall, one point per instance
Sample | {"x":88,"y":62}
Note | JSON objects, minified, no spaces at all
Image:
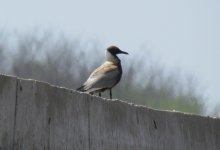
{"x":37,"y":116}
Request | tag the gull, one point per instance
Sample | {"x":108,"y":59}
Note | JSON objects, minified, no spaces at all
{"x":106,"y":76}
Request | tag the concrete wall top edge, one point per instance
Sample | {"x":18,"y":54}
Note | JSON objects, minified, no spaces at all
{"x":110,"y":100}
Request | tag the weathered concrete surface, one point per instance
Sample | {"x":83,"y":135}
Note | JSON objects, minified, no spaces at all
{"x":7,"y":111}
{"x":37,"y":116}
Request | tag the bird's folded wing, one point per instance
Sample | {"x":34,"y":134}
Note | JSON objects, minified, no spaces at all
{"x":103,"y":77}
{"x":104,"y":69}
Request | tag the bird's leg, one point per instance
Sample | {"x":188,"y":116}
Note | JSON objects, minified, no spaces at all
{"x":110,"y":92}
{"x":100,"y":94}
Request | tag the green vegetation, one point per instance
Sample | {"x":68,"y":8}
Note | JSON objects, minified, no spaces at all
{"x":65,"y":62}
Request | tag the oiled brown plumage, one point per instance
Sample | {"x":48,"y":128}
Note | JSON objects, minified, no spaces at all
{"x":104,"y":68}
{"x":104,"y":77}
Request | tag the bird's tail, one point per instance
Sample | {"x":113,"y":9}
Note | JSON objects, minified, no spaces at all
{"x":81,"y":89}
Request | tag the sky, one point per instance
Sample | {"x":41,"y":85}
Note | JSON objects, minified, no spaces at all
{"x":182,"y":34}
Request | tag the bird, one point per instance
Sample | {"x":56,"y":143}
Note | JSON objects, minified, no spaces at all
{"x":106,"y":76}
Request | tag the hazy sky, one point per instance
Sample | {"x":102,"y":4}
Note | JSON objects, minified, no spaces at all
{"x":183,"y":34}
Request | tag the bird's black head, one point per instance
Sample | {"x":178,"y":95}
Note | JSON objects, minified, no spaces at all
{"x":115,"y":50}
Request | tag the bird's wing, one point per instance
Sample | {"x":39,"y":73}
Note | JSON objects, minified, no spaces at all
{"x":105,"y":76}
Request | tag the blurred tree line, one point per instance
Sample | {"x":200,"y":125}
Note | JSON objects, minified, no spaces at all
{"x":67,"y":62}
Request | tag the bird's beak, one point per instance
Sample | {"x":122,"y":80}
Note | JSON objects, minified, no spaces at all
{"x":123,"y":52}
